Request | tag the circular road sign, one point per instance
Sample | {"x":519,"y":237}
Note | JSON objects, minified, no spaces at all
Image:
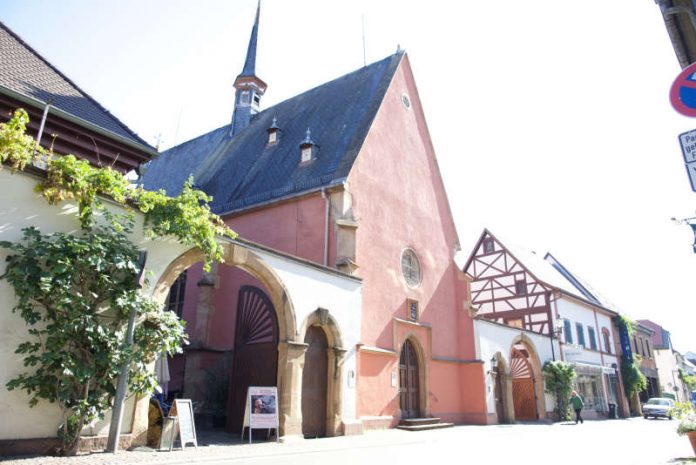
{"x":683,"y":91}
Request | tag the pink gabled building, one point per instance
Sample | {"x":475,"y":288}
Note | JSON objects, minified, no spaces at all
{"x":344,"y":176}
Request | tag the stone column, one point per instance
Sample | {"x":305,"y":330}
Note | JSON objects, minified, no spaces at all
{"x":509,"y":403}
{"x":194,"y":380}
{"x":205,"y":307}
{"x":291,"y":358}
{"x":334,"y":391}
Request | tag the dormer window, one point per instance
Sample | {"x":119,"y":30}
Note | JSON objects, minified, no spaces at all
{"x":273,"y":132}
{"x":306,"y":154}
{"x":307,"y":148}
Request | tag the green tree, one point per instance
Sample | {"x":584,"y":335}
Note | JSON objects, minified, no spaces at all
{"x":689,"y":380}
{"x":75,"y":292}
{"x":633,"y":380}
{"x":558,"y":380}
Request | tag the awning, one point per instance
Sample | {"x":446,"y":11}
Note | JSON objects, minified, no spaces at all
{"x":592,"y":368}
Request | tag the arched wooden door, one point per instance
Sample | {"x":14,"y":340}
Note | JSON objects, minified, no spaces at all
{"x":255,"y":361}
{"x":409,"y":382}
{"x":314,"y":380}
{"x":523,"y":395}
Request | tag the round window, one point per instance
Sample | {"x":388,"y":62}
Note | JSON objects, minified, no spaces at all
{"x":405,"y":100}
{"x":410,"y":267}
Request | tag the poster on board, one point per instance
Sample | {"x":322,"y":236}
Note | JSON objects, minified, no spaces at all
{"x":261,"y":410}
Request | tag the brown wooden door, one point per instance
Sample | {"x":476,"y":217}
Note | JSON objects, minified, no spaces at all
{"x":255,"y":355}
{"x":314,"y":380}
{"x":408,"y":382}
{"x":523,"y":395}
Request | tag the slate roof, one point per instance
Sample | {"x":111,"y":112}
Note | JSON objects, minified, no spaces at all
{"x":580,"y":285}
{"x":24,"y":71}
{"x":243,"y":171}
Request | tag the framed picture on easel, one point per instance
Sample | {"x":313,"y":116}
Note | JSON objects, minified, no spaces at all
{"x":261,"y":410}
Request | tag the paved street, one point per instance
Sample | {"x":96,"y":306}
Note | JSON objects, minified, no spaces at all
{"x":625,"y":442}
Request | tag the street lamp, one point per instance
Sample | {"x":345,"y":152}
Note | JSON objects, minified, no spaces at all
{"x":494,"y":365}
{"x":556,"y":331}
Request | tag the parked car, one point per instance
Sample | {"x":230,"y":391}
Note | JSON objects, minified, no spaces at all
{"x":658,"y":407}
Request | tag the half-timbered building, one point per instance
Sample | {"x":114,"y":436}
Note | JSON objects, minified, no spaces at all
{"x":530,"y":309}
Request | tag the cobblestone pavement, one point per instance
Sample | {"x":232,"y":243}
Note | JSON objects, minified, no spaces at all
{"x":625,"y":442}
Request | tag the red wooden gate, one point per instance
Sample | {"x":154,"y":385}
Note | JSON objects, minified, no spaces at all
{"x":255,"y":360}
{"x":408,"y":382}
{"x":523,"y":395}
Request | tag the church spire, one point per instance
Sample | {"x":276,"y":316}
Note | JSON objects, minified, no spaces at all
{"x":250,"y":62}
{"x":249,"y":87}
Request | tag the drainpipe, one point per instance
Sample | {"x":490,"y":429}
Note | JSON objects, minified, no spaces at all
{"x":560,"y":348}
{"x":327,"y":199}
{"x":43,"y":123}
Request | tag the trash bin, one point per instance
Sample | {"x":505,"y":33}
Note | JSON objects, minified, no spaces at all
{"x":612,"y":410}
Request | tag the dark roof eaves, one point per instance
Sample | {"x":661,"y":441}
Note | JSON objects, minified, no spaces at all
{"x":584,"y":300}
{"x":333,"y":183}
{"x":40,"y":104}
{"x":135,"y":136}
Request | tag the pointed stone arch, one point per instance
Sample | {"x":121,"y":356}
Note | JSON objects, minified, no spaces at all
{"x":290,"y":348}
{"x":535,"y":370}
{"x":322,"y":318}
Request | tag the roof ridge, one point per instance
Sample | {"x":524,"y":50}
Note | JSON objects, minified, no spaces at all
{"x":73,"y":84}
{"x":244,"y":170}
{"x":343,"y":76}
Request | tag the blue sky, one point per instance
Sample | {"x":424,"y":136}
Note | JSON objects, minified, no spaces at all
{"x":551,"y":120}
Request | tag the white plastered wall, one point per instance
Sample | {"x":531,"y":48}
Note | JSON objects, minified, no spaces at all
{"x":311,"y":288}
{"x":495,"y":338}
{"x":577,"y":312}
{"x":21,"y":207}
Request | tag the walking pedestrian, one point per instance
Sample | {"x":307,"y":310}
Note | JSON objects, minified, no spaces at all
{"x":578,"y":404}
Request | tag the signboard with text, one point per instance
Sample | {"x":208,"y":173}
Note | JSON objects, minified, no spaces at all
{"x":687,"y":140}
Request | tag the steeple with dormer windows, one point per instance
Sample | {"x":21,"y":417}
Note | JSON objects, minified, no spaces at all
{"x":249,"y":87}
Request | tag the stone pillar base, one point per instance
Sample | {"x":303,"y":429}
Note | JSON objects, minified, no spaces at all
{"x":292,"y":438}
{"x":352,"y":427}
